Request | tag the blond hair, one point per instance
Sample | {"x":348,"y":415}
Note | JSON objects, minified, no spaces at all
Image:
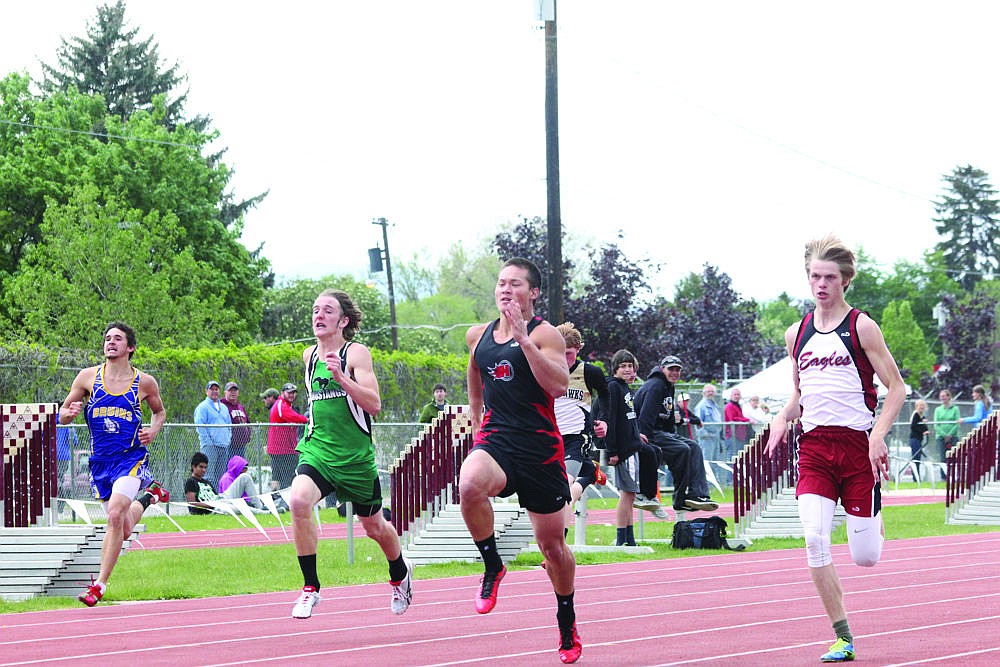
{"x":831,"y":249}
{"x":570,"y":335}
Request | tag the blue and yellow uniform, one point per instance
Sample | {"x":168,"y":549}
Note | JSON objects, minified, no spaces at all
{"x":114,"y":421}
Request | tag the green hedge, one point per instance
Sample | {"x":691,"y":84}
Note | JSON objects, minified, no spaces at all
{"x":31,"y":373}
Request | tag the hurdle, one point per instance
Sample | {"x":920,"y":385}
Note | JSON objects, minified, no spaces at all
{"x":758,"y":479}
{"x":424,"y":478}
{"x":28,"y":477}
{"x":972,"y":466}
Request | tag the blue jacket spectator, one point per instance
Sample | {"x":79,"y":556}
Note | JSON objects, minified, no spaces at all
{"x":982,"y":407}
{"x":214,"y":441}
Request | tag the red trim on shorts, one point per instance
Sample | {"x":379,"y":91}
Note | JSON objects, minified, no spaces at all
{"x":833,"y":463}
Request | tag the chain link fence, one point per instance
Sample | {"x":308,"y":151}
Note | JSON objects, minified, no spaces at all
{"x":170,"y":455}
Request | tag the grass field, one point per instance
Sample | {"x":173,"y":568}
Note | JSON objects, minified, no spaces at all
{"x":191,"y":573}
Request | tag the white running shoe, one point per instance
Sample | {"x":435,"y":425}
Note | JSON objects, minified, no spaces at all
{"x":402,"y":592}
{"x":644,"y":503}
{"x":660,"y":513}
{"x":304,"y":605}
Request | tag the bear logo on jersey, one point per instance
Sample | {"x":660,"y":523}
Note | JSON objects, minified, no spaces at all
{"x":503,"y":371}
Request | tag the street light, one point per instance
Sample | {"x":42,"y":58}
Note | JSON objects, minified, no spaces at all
{"x":375,"y":264}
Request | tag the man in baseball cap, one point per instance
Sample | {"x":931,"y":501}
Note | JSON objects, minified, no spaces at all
{"x":658,"y":419}
{"x":210,"y":415}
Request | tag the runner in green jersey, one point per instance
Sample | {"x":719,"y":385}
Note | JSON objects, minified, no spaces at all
{"x":336,"y":454}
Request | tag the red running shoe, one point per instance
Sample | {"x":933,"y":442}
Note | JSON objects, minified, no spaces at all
{"x":92,"y":595}
{"x":570,"y":646}
{"x":600,"y":479}
{"x":488,"y":591}
{"x":157,"y":493}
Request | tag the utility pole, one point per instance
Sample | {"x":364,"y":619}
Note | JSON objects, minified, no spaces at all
{"x":372,"y":254}
{"x":554,"y":215}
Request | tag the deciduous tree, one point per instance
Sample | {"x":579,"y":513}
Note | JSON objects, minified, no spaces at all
{"x":714,"y":328}
{"x":103,"y":261}
{"x":969,"y":338}
{"x":154,"y":171}
{"x":907,"y":343}
{"x":288,"y":310}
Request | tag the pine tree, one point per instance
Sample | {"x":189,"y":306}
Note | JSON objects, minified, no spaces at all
{"x":112,"y":61}
{"x":127,"y":72}
{"x":967,"y":220}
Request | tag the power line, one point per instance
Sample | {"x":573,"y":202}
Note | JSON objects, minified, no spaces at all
{"x":409,"y":327}
{"x":760,"y":135}
{"x":101,"y":135}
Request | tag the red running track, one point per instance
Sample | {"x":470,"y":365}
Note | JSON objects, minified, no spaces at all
{"x":930,"y":600}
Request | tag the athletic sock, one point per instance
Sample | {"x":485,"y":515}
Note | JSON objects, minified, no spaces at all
{"x":622,"y":535}
{"x":145,"y":499}
{"x":397,"y":569}
{"x":630,"y":535}
{"x":565,"y":533}
{"x":308,"y":566}
{"x":843,"y":631}
{"x":491,"y":557}
{"x":565,"y":613}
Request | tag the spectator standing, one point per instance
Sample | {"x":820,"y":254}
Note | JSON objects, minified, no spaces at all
{"x":282,"y":437}
{"x":240,"y":433}
{"x":710,"y":433}
{"x":946,"y":418}
{"x":636,"y":462}
{"x":981,"y":409}
{"x":435,"y":407}
{"x":269,"y":395}
{"x":754,"y":411}
{"x":214,"y":439}
{"x":66,"y":442}
{"x":685,"y":417}
{"x":654,"y":403}
{"x":737,"y":428}
{"x":918,"y":430}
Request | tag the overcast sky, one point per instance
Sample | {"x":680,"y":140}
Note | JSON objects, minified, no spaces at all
{"x":720,"y":132}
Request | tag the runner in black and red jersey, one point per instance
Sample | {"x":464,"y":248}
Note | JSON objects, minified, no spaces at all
{"x":517,"y":366}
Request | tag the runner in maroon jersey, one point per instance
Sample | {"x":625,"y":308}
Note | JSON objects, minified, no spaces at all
{"x":837,"y":350}
{"x":517,"y":366}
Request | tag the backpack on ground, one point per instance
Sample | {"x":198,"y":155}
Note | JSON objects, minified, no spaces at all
{"x":707,"y":533}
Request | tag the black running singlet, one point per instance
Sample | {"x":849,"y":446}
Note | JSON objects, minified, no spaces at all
{"x":513,"y":398}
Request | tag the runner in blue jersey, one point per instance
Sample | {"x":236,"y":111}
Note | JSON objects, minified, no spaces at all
{"x":111,"y":397}
{"x":517,"y":367}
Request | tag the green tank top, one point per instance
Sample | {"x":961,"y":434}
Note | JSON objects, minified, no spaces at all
{"x":339,"y":432}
